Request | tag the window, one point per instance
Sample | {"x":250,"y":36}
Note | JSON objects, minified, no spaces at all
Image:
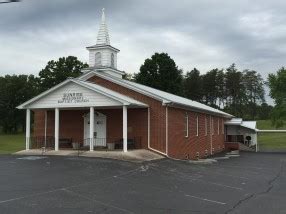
{"x":112,"y":60}
{"x":186,"y":125}
{"x":197,"y":125}
{"x":212,"y":119}
{"x":222,"y":125}
{"x":97,"y":60}
{"x":206,"y":125}
{"x":217,"y":125}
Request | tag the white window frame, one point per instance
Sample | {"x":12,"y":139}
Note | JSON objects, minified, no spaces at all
{"x":218,"y":125}
{"x":206,"y":125}
{"x":197,"y":118}
{"x":112,"y":63}
{"x":212,"y":119}
{"x":98,"y":59}
{"x":186,"y":124}
{"x":222,"y":125}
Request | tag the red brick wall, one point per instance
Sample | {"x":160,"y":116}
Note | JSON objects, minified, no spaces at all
{"x":157,"y":112}
{"x":182,"y":147}
{"x":72,"y":124}
{"x":137,"y":121}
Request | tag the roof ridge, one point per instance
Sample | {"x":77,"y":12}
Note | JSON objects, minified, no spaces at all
{"x":124,"y":80}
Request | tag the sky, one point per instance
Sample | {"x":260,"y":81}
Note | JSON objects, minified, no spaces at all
{"x":204,"y":34}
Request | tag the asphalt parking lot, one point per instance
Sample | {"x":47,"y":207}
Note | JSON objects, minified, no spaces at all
{"x":251,"y":183}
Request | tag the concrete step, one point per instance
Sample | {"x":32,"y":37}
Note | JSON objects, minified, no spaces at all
{"x":243,"y":147}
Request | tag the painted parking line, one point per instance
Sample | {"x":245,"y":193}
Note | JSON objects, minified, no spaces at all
{"x":97,"y":201}
{"x":205,"y":199}
{"x":68,"y":187}
{"x":191,"y":178}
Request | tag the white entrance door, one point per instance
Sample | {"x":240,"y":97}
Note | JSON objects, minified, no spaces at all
{"x":99,"y":133}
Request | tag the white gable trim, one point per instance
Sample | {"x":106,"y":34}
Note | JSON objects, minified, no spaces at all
{"x":113,"y":97}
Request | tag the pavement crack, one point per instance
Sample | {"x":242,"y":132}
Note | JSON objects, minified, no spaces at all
{"x":270,"y":186}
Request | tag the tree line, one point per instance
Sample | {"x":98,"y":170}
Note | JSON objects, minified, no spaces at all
{"x":17,"y":89}
{"x":240,"y":93}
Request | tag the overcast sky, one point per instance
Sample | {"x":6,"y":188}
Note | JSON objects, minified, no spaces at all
{"x":204,"y":34}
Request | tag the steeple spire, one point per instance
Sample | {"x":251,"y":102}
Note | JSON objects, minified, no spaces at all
{"x":103,"y":36}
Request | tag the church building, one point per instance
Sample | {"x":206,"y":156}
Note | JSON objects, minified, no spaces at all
{"x":101,"y":110}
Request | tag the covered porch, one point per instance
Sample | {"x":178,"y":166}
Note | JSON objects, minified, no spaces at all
{"x":88,"y":129}
{"x":86,"y":116}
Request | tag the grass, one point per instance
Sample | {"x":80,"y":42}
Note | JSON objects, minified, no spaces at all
{"x":11,"y":143}
{"x":269,"y":141}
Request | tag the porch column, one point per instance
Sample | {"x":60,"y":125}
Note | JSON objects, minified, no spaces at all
{"x":124,"y":128}
{"x":28,"y":128}
{"x":91,"y":126}
{"x":57,"y":119}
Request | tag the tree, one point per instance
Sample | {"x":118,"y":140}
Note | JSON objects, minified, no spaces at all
{"x":220,"y":88}
{"x":161,"y":72}
{"x":254,"y":90}
{"x":277,"y":85}
{"x":15,"y":90}
{"x":235,"y":90}
{"x":56,"y":72}
{"x":264,"y":111}
{"x":193,"y":85}
{"x":209,"y":87}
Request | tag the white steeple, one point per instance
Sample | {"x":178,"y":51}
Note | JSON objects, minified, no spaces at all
{"x":102,"y":56}
{"x":103,"y":36}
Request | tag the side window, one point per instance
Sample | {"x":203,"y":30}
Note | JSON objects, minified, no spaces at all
{"x":197,"y":118}
{"x":222,"y":125}
{"x":112,"y":60}
{"x":218,"y":125}
{"x":212,"y":119}
{"x":97,"y":61}
{"x":186,"y":125}
{"x":206,"y":125}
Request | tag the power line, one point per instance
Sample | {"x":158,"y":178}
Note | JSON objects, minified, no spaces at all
{"x":9,"y":1}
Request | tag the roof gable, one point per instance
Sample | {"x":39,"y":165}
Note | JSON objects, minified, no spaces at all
{"x":75,"y":93}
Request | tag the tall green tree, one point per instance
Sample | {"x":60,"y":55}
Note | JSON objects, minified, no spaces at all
{"x":193,"y":85}
{"x":210,"y":88}
{"x":254,"y":91}
{"x":56,"y":72}
{"x":235,"y":90}
{"x":220,"y":88}
{"x":15,"y":90}
{"x":277,"y":85}
{"x":161,"y":72}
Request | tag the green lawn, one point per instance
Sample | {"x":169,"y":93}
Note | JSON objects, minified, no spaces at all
{"x":268,"y":141}
{"x":11,"y":143}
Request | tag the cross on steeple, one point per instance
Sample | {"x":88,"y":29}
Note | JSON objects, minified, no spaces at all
{"x":103,"y":35}
{"x":102,"y":56}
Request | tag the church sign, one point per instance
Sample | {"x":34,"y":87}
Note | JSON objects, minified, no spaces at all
{"x":73,"y":98}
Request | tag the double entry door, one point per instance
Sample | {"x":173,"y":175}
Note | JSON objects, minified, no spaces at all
{"x":99,"y":132}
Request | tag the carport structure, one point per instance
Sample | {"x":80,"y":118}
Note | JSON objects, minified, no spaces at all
{"x":82,"y":111}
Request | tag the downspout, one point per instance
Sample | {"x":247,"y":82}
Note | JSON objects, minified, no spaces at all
{"x":211,"y":134}
{"x":149,"y":146}
{"x":46,"y":124}
{"x":167,"y":131}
